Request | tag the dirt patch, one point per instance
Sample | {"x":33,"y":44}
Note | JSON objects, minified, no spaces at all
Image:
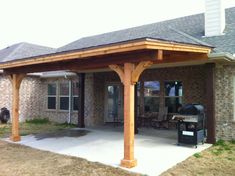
{"x":20,"y":160}
{"x":217,"y":160}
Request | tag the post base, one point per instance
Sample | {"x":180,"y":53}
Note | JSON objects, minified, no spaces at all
{"x":128,"y":163}
{"x":15,"y":138}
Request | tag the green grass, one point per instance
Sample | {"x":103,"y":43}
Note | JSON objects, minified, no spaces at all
{"x":38,"y":121}
{"x":35,"y":126}
{"x":197,"y":155}
{"x":222,"y":146}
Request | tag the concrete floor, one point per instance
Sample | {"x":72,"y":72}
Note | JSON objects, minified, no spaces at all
{"x":155,"y":150}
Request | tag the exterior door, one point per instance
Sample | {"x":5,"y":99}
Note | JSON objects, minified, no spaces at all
{"x":114,"y":102}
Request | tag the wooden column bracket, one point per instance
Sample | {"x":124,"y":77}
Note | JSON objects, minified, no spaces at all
{"x":139,"y":69}
{"x":16,"y":81}
{"x":119,"y":70}
{"x":129,"y":75}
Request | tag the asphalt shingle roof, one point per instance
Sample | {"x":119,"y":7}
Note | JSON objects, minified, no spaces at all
{"x":23,"y":50}
{"x":189,"y":29}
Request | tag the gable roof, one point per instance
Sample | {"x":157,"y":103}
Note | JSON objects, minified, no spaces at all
{"x":23,"y":50}
{"x":188,"y":30}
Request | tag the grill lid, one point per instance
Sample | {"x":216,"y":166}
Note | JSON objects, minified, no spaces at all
{"x":191,"y":109}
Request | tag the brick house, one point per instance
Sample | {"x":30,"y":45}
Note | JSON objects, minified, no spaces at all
{"x":192,"y":61}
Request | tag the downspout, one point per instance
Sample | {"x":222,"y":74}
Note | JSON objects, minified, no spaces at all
{"x":70,"y":99}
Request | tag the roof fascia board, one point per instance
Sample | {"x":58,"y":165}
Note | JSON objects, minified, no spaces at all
{"x":130,"y":46}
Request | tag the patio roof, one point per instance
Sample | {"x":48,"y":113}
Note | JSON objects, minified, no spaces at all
{"x":129,"y":51}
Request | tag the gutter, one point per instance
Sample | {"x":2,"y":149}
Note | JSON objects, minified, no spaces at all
{"x":222,"y":56}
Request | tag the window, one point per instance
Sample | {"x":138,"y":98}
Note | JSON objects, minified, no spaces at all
{"x":173,"y":95}
{"x":151,"y":96}
{"x":75,"y":95}
{"x":51,"y":96}
{"x":64,"y":96}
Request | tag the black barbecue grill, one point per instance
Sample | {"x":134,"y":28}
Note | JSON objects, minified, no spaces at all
{"x":191,"y":124}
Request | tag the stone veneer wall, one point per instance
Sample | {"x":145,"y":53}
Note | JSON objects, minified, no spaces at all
{"x":224,"y":102}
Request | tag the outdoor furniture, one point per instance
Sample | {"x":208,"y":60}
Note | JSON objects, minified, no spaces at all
{"x":161,"y":121}
{"x":145,"y":120}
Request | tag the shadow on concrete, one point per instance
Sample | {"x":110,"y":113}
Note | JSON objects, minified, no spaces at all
{"x":62,"y":133}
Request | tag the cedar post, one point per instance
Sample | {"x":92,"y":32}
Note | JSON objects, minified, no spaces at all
{"x":136,"y":99}
{"x":16,"y":81}
{"x":129,"y":75}
{"x":210,"y":102}
{"x":81,"y":98}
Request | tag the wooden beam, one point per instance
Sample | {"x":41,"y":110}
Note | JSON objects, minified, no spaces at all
{"x":16,"y":81}
{"x":160,"y":55}
{"x":109,"y":49}
{"x":91,"y":63}
{"x":81,"y":100}
{"x":210,"y":103}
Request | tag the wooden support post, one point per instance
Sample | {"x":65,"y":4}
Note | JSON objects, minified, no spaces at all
{"x":136,"y":104}
{"x":81,"y":100}
{"x":210,"y":103}
{"x":129,"y":75}
{"x":16,"y":81}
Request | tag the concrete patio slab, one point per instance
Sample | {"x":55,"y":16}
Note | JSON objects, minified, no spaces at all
{"x":155,"y":150}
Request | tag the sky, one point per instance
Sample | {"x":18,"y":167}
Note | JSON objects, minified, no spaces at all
{"x":55,"y":23}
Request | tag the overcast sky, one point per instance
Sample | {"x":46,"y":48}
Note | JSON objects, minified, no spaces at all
{"x":55,"y":23}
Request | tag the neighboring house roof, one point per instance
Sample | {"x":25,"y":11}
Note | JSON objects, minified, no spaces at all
{"x":189,"y":30}
{"x":23,"y":50}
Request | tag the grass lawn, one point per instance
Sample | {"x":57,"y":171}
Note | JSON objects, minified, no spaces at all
{"x":34,"y":126}
{"x":217,"y":160}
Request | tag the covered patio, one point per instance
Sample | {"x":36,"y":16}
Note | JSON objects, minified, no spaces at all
{"x":102,"y":144}
{"x":128,"y":59}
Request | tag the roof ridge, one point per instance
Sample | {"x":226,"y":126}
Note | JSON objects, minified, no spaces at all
{"x":189,"y":36}
{"x":15,"y":50}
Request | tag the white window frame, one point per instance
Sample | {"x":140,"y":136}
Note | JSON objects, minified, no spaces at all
{"x":52,"y":96}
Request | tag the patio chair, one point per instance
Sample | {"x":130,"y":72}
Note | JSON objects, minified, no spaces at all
{"x":161,"y":121}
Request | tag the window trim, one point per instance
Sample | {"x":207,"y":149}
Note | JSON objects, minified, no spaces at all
{"x":62,"y":96}
{"x":58,"y":96}
{"x":51,"y":96}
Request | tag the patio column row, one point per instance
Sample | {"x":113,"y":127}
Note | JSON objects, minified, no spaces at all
{"x":129,"y":75}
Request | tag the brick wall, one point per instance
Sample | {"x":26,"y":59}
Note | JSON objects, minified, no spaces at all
{"x":193,"y":80}
{"x":33,"y":91}
{"x":30,"y":96}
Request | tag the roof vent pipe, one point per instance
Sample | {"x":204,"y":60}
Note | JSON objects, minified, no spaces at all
{"x":214,"y":17}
